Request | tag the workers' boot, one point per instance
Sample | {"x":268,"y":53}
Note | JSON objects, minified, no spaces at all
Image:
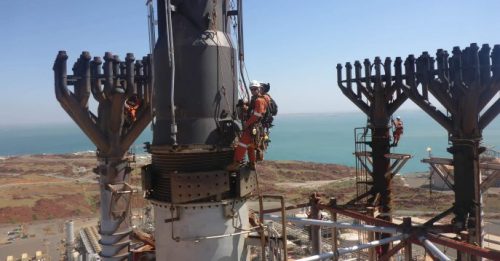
{"x":260,"y":154}
{"x":233,"y":167}
{"x":251,"y":165}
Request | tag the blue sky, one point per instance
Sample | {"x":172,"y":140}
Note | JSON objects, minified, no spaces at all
{"x":295,"y":45}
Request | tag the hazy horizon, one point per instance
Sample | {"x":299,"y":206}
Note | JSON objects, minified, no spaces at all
{"x":293,"y":45}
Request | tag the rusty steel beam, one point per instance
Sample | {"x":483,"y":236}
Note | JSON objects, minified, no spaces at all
{"x":464,"y":84}
{"x":379,"y":222}
{"x":394,"y":250}
{"x":111,"y":84}
{"x":272,"y":210}
{"x":378,"y":96}
{"x":464,"y":247}
{"x":357,"y":215}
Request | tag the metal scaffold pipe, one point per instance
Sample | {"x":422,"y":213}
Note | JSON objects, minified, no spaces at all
{"x":346,"y":250}
{"x":325,"y":223}
{"x":433,"y":249}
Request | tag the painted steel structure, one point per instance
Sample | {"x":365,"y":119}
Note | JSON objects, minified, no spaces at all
{"x":378,"y":96}
{"x":200,"y":209}
{"x":464,"y":84}
{"x":111,"y":84}
{"x":192,"y":73}
{"x":70,"y":239}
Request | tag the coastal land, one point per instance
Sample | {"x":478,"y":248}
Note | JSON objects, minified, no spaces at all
{"x":43,"y":190}
{"x":46,"y":187}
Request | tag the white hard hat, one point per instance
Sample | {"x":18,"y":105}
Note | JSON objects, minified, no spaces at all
{"x":398,"y":117}
{"x":254,"y":83}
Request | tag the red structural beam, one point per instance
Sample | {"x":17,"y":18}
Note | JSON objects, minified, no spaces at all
{"x":273,"y":210}
{"x":464,"y":247}
{"x":380,"y":222}
{"x":393,"y":250}
{"x":356,"y":215}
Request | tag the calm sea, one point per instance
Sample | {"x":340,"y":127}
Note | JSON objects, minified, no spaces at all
{"x":326,"y":138}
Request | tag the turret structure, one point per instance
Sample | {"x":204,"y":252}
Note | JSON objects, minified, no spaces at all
{"x":200,"y":208}
{"x":466,"y":85}
{"x":112,"y":130}
{"x":378,"y":96}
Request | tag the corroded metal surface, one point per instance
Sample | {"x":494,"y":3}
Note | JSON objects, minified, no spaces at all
{"x":378,"y":96}
{"x":111,"y":84}
{"x":464,"y":84}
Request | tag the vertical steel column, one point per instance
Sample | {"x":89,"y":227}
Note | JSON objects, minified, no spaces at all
{"x":114,"y":224}
{"x":370,"y":211}
{"x":464,"y":85}
{"x":315,"y":230}
{"x":109,"y":131}
{"x":333,"y":203}
{"x":408,"y":246}
{"x":378,"y":96}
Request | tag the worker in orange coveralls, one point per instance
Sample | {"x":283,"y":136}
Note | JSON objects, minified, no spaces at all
{"x":132,"y":105}
{"x":398,"y":131}
{"x":257,"y":109}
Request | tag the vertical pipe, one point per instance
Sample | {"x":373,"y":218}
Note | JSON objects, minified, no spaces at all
{"x":171,"y":58}
{"x":70,"y":239}
{"x":371,"y":235}
{"x":113,"y":226}
{"x":478,"y":209}
{"x":152,"y":41}
{"x":333,"y":204}
{"x":283,"y":227}
{"x":408,"y":246}
{"x":241,"y":48}
{"x":315,"y":230}
{"x":467,"y":183}
{"x":262,"y":235}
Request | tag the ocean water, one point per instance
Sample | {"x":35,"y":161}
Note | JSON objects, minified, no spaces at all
{"x":326,"y":138}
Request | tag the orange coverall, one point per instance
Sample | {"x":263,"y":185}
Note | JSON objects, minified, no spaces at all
{"x":246,"y":139}
{"x":132,"y":109}
{"x":398,"y":124}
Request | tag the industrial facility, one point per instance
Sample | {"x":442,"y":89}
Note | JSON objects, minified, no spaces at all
{"x":189,"y":89}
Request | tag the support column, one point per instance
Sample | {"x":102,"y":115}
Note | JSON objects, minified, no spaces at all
{"x":113,"y":130}
{"x":333,"y":204}
{"x":114,"y":226}
{"x":382,"y":183}
{"x":378,"y":96}
{"x":372,"y":255}
{"x":315,"y":230}
{"x":408,"y":246}
{"x":464,"y":84}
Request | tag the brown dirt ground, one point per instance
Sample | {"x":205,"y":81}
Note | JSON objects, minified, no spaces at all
{"x":71,"y":189}
{"x":44,"y":187}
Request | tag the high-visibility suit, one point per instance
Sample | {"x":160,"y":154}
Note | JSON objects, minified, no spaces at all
{"x":132,"y":108}
{"x":246,"y":142}
{"x":396,"y":134}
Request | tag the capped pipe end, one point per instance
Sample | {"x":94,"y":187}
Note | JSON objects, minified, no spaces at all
{"x":85,"y":55}
{"x":97,"y":60}
{"x":62,"y":54}
{"x":108,"y":56}
{"x":130,"y":57}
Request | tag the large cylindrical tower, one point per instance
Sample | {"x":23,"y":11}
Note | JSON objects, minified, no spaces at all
{"x":200,"y":209}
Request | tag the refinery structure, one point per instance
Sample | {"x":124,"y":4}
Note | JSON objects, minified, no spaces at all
{"x":187,"y":88}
